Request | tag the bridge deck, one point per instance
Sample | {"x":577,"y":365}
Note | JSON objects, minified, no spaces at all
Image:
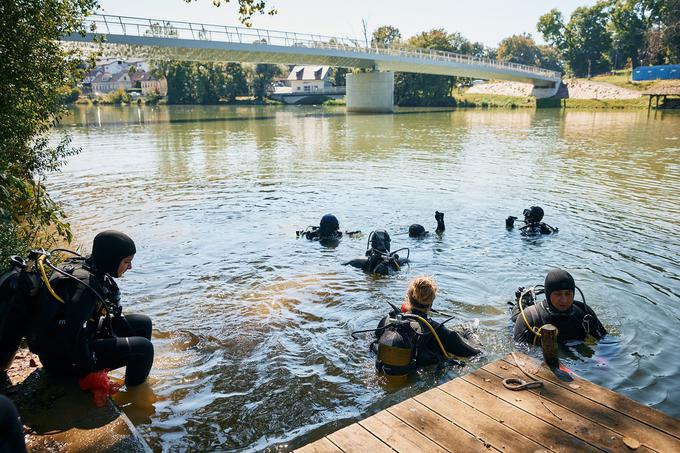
{"x":477,"y":413}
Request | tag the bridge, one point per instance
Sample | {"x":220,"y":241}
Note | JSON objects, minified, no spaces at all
{"x":372,"y":90}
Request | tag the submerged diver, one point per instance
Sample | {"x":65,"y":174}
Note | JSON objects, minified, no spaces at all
{"x":574,"y":319}
{"x":328,"y":230}
{"x":532,"y":222}
{"x":408,"y":338}
{"x":80,"y":327}
{"x":419,"y":232}
{"x":379,"y":259}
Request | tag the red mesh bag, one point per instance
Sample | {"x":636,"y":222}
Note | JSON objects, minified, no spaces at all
{"x":100,"y":385}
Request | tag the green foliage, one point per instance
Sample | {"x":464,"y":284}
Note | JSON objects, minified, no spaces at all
{"x":587,"y":41}
{"x":412,"y":89}
{"x":33,"y":71}
{"x":262,"y":79}
{"x":551,"y":26}
{"x":117,"y":97}
{"x":202,"y":83}
{"x":614,"y":34}
{"x":627,"y":29}
{"x":519,"y":49}
{"x":72,"y":96}
{"x":340,"y":77}
{"x":385,"y":36}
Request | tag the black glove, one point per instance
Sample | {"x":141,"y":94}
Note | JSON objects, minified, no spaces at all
{"x":439,"y":216}
{"x":510,"y":221}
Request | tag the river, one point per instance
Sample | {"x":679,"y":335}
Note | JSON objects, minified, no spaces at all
{"x":252,"y":326}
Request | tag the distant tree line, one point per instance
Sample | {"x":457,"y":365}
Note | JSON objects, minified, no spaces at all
{"x":614,"y":34}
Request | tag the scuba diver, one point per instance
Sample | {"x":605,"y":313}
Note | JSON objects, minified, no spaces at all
{"x":574,"y":319}
{"x":328,"y":230}
{"x":418,"y":231}
{"x":407,"y":338}
{"x":80,"y":327}
{"x":11,"y":428}
{"x":532,"y":222}
{"x":379,"y":259}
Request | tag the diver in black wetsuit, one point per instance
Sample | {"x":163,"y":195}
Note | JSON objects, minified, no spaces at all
{"x":418,"y":231}
{"x":379,"y":259}
{"x":11,"y":429}
{"x":86,"y":331}
{"x":409,"y":335}
{"x":532,"y":222}
{"x":328,"y":232}
{"x":574,"y":319}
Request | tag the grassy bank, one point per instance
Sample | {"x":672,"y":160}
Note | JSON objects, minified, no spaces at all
{"x":622,"y":79}
{"x":494,"y":101}
{"x":592,"y":104}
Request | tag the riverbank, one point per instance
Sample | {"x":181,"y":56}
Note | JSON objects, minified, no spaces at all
{"x":598,"y":93}
{"x":59,"y":417}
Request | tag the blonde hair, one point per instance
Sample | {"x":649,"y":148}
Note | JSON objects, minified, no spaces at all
{"x":421,"y":292}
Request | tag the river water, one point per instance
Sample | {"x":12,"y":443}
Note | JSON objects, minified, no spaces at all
{"x":252,"y":326}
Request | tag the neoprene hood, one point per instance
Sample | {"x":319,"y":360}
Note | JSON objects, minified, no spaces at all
{"x":558,"y":279}
{"x":108,"y":249}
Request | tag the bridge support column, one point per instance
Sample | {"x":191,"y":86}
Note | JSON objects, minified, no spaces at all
{"x":370,"y":92}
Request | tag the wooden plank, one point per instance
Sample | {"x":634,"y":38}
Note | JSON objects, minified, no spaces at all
{"x":525,"y":423}
{"x":556,"y":415}
{"x":595,"y":412}
{"x":322,"y":445}
{"x":438,"y":428}
{"x":611,"y":399}
{"x":398,"y":435}
{"x":490,"y":432}
{"x":355,"y":438}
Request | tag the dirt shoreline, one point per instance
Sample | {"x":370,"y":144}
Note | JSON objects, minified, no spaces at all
{"x":59,"y":417}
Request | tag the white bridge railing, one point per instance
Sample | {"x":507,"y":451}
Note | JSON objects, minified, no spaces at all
{"x":134,"y":26}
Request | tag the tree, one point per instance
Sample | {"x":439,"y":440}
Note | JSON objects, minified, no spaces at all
{"x":340,"y":77}
{"x":427,"y":89}
{"x":519,"y":49}
{"x":551,"y":26}
{"x":587,"y":41}
{"x":235,"y":82}
{"x":628,"y":29}
{"x":385,"y":36}
{"x":550,"y":58}
{"x":35,"y":72}
{"x":262,"y":79}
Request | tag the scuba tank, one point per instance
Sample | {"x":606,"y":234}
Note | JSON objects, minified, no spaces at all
{"x":396,"y":348}
{"x":380,"y":259}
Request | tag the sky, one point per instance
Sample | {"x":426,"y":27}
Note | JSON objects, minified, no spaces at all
{"x":486,"y":21}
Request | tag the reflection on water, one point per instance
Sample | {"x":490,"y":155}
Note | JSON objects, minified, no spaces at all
{"x":252,"y":326}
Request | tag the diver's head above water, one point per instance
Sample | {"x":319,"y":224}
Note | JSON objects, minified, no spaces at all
{"x":420,"y":294}
{"x":379,"y":241}
{"x":559,"y":289}
{"x":533,"y":215}
{"x":329,"y":225}
{"x":416,"y":231}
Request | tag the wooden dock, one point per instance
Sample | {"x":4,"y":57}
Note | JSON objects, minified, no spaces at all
{"x":477,"y":413}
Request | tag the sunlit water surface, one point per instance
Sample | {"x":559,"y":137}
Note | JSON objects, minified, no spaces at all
{"x":252,"y":327}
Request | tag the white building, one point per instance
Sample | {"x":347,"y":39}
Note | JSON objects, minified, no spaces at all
{"x":106,"y":82}
{"x":309,"y":79}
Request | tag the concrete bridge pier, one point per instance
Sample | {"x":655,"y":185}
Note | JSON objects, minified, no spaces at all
{"x":370,"y":92}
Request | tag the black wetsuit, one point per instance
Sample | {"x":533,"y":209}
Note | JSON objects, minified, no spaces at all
{"x":536,"y":228}
{"x":11,"y":429}
{"x":316,"y":235}
{"x":76,"y":337}
{"x":378,"y":263}
{"x":575,"y":324}
{"x":427,"y":351}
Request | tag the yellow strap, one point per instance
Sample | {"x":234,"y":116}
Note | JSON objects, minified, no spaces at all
{"x":436,"y":337}
{"x":41,"y":266}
